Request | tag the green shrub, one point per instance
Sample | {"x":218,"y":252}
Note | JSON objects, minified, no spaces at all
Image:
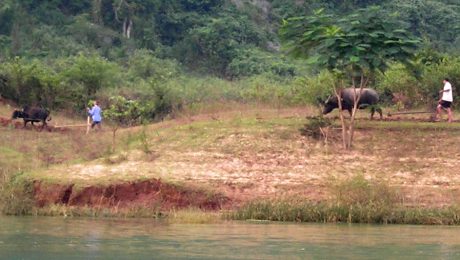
{"x":144,"y":65}
{"x":316,"y":127}
{"x":314,"y":89}
{"x":29,"y":82}
{"x":400,"y":85}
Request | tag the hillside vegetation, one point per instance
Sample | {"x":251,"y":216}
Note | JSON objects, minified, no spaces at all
{"x":174,"y":54}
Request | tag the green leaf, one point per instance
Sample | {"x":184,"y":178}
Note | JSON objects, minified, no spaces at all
{"x":354,"y":59}
{"x":312,"y":60}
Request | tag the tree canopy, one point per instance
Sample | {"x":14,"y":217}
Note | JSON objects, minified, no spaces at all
{"x":362,"y":41}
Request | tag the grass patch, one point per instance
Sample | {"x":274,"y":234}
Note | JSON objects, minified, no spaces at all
{"x":294,"y":210}
{"x":105,"y":212}
{"x":16,"y":194}
{"x":355,"y":200}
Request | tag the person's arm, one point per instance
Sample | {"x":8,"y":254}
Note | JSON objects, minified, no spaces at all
{"x":91,"y":111}
{"x":447,"y":88}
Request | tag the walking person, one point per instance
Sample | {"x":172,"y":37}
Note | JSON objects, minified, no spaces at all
{"x":96,"y":115}
{"x":445,"y":102}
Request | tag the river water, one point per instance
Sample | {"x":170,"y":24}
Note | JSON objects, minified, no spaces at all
{"x":76,"y":238}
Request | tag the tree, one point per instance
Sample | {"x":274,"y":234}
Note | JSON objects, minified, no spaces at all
{"x":125,"y":10}
{"x":92,"y":73}
{"x":353,"y":48}
{"x":122,"y":112}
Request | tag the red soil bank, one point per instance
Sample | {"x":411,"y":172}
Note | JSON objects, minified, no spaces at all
{"x":150,"y":193}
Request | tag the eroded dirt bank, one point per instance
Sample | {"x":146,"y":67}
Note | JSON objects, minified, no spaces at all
{"x":148,"y":193}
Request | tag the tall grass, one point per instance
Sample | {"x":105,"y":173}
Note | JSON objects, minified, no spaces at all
{"x":16,"y":194}
{"x":355,"y":200}
{"x":137,"y":211}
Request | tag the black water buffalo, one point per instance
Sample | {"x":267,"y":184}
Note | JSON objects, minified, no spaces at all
{"x":369,"y":97}
{"x":32,"y":114}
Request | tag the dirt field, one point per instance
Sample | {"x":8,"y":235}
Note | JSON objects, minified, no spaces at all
{"x":262,"y":154}
{"x":243,"y":155}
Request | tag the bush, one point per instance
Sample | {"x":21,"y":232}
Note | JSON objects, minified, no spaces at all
{"x":316,"y":127}
{"x":314,"y":89}
{"x":399,"y":85}
{"x":144,"y":65}
{"x":83,"y":75}
{"x":29,"y":83}
{"x":253,"y":61}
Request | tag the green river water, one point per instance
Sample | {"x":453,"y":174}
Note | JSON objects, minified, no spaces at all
{"x":75,"y":238}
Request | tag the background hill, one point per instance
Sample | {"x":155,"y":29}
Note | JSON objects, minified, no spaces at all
{"x":175,"y":54}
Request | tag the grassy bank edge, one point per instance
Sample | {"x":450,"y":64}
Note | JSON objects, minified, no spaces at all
{"x":265,"y":211}
{"x":355,"y":200}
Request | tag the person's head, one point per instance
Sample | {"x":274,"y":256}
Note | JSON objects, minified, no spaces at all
{"x":96,"y":103}
{"x":445,"y":80}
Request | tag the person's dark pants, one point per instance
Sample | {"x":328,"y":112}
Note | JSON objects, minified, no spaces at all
{"x":98,"y":123}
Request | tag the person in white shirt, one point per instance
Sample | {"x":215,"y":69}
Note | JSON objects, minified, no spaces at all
{"x":445,"y":102}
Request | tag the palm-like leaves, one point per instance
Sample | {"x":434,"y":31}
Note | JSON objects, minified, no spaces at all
{"x":365,"y":40}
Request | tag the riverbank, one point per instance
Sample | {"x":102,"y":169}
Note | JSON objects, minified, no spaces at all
{"x":242,"y":160}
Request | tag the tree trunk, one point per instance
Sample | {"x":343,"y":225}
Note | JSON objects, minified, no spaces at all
{"x":96,"y":12}
{"x":125,"y":21}
{"x":342,"y":119}
{"x":356,"y":98}
{"x":129,"y":28}
{"x":15,"y":39}
{"x":114,"y":132}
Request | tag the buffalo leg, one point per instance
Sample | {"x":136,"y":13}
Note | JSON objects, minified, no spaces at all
{"x":44,"y":124}
{"x":379,"y":110}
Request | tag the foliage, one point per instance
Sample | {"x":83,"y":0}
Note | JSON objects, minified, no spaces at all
{"x":123,"y":112}
{"x":61,"y":53}
{"x":362,"y":41}
{"x":253,"y":62}
{"x":16,"y":195}
{"x":29,"y":82}
{"x":315,"y":89}
{"x":398,"y":81}
{"x":215,"y":44}
{"x":144,"y":65}
{"x":436,"y":20}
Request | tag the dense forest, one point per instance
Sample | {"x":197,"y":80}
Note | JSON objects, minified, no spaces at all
{"x":171,"y":54}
